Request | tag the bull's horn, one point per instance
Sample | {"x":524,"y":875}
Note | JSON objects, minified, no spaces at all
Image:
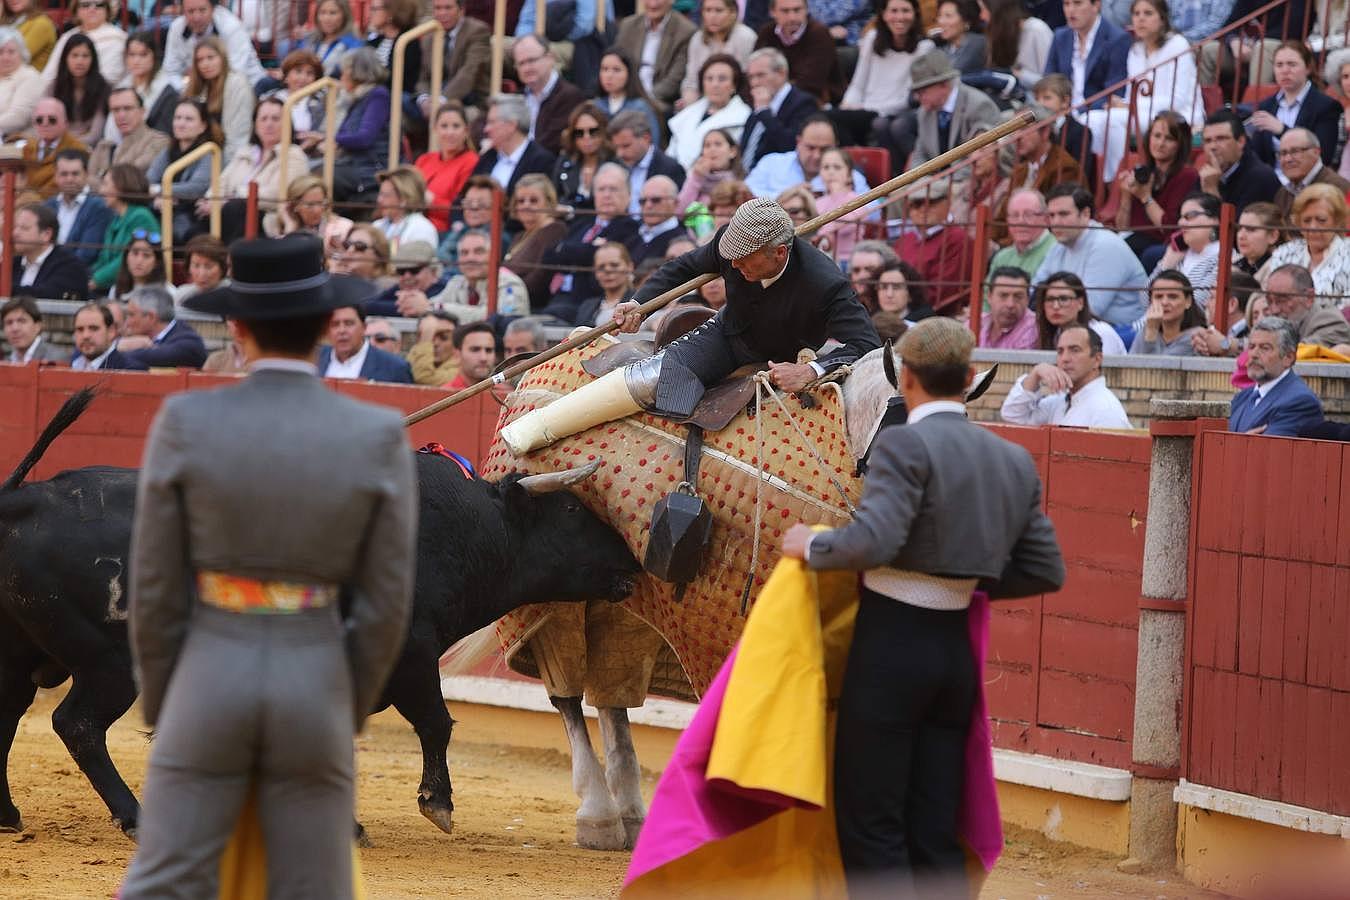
{"x":888,"y":364}
{"x":555,"y":481}
{"x":983,"y":381}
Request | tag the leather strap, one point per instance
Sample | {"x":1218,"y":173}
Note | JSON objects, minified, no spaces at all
{"x":693,"y":455}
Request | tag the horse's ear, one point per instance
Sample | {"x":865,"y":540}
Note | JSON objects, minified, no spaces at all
{"x":888,"y":362}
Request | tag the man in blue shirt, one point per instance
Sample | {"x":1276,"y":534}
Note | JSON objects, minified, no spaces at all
{"x":1114,"y":277}
{"x":776,"y":172}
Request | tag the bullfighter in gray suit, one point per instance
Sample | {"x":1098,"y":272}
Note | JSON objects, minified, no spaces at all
{"x":947,"y":508}
{"x":271,"y":582}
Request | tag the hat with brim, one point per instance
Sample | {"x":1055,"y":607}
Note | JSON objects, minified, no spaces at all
{"x":280,"y":278}
{"x":933,"y":67}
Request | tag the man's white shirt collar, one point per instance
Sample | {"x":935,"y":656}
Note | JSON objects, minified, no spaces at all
{"x":769,"y":282}
{"x":933,"y":407}
{"x":352,"y":367}
{"x":1264,"y":389}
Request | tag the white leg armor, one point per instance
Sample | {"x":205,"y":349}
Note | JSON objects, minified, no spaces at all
{"x":614,"y":395}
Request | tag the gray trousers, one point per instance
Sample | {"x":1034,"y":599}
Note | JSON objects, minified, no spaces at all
{"x":262,"y":700}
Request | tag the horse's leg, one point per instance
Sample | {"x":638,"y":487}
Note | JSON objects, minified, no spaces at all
{"x":599,"y":826}
{"x":622,"y":773}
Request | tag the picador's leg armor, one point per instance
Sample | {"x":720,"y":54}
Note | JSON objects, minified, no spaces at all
{"x":612,"y":396}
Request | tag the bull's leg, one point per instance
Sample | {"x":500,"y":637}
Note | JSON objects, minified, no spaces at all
{"x":415,"y":691}
{"x":621,"y":771}
{"x":599,"y":826}
{"x":99,"y":696}
{"x":16,"y":695}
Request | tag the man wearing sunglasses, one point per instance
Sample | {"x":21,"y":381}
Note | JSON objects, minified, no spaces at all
{"x":940,"y":250}
{"x":419,"y":277}
{"x":51,"y":128}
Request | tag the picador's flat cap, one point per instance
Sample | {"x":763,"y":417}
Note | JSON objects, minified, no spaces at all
{"x":935,"y":342}
{"x":755,"y":226}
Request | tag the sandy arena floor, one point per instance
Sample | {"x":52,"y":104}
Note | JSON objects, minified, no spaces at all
{"x":513,"y":834}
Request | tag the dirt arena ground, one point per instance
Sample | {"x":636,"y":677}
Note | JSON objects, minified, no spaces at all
{"x":513,"y":835}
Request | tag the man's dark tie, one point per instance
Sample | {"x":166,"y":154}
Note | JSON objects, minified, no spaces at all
{"x":473,"y":296}
{"x":944,"y":129}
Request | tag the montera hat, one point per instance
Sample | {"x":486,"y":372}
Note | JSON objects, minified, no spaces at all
{"x":936,"y":342}
{"x":279,"y":278}
{"x":754,"y":226}
{"x":933,"y":67}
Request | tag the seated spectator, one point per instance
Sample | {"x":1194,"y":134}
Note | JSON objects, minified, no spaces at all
{"x":136,"y":143}
{"x":332,"y":36}
{"x":1151,"y":206}
{"x":513,"y":155}
{"x":201,"y":19}
{"x":1195,"y":249}
{"x":1296,"y":98}
{"x":1301,"y":167}
{"x":51,"y":137}
{"x":192,"y":127}
{"x":1010,"y":323}
{"x":662,"y":72}
{"x":713,"y":294}
{"x":467,"y":59}
{"x":83,"y":215}
{"x":465,"y":295}
{"x":577,"y":40}
{"x":987,"y":186}
{"x":837,"y":173}
{"x":20,"y":83}
{"x":659,"y":223}
{"x":419,"y":278}
{"x":950,"y":113}
{"x":93,"y":21}
{"x":476,"y":210}
{"x":1030,"y":239}
{"x":476,"y":346}
{"x":937,"y":248}
{"x":1019,"y":44}
{"x":1291,"y":295}
{"x":1071,"y":392}
{"x":299,"y":70}
{"x":349,"y":355}
{"x":1040,"y":166}
{"x":1258,"y":233}
{"x":154,"y":337}
{"x":1055,"y":93}
{"x":535,"y":207}
{"x":308,"y":208}
{"x":958,"y":37}
{"x":777,"y":172}
{"x":1061,"y":301}
{"x":877,"y":100}
{"x":208,"y":263}
{"x":47,"y":270}
{"x":632,"y":139}
{"x":549,"y":98}
{"x":779,"y":107}
{"x":448,"y":167}
{"x":800,"y":205}
{"x":364,"y":253}
{"x":585,"y":147}
{"x":719,"y":31}
{"x":808,"y":46}
{"x":433,"y":359}
{"x":1319,"y":213}
{"x":382,"y":334}
{"x":621,"y":90}
{"x":400,"y":202}
{"x":1173,"y":318}
{"x":1211,"y":342}
{"x":899,"y":290}
{"x":1279,"y":404}
{"x":523,"y":336}
{"x":1102,"y":45}
{"x":387,"y":23}
{"x":228,"y":360}
{"x":719,"y":161}
{"x":81,"y":89}
{"x":35,"y":28}
{"x":614,"y":275}
{"x":363,"y":137}
{"x":21,"y":321}
{"x":227,"y":94}
{"x":95,"y":335}
{"x":157,"y":89}
{"x":141,"y":265}
{"x":1094,"y":254}
{"x":866,"y":263}
{"x":725,"y":199}
{"x":258,"y":162}
{"x":573,"y":257}
{"x":1232,"y":171}
{"x":719,"y":107}
{"x":124,"y":191}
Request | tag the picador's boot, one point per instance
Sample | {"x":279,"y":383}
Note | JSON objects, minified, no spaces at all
{"x":614,"y":395}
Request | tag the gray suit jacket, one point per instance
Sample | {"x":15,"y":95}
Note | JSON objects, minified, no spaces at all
{"x":276,"y":478}
{"x":947,"y":497}
{"x":974,"y":113}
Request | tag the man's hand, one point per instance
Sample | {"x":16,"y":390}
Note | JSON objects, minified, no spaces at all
{"x":627,"y":317}
{"x":1264,"y":121}
{"x":412,"y":303}
{"x":794,"y":542}
{"x":760,"y":97}
{"x":1209,"y":178}
{"x":1047,"y":376}
{"x":791,"y":377}
{"x":1208,"y":342}
{"x":838,"y":32}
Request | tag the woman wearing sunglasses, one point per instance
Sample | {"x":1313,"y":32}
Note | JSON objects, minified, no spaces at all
{"x":364,"y":254}
{"x":125,"y":190}
{"x":585,"y":147}
{"x":94,"y":18}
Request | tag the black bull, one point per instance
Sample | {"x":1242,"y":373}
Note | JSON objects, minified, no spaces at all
{"x":483,"y":550}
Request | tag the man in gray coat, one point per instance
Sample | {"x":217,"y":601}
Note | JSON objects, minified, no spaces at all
{"x":948,"y":508}
{"x":271,"y":580}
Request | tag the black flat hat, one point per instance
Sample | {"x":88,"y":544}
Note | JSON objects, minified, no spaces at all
{"x":280,"y":278}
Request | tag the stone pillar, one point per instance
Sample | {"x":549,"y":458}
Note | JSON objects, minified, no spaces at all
{"x":1162,"y":632}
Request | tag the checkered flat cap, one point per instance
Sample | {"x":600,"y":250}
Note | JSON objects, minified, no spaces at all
{"x":937,"y":341}
{"x":755,"y":225}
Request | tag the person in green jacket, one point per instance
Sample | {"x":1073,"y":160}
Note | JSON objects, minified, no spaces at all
{"x":124,"y":189}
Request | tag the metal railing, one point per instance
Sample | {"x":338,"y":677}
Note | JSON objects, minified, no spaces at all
{"x":166,"y":195}
{"x":399,"y":64}
{"x":329,"y":126}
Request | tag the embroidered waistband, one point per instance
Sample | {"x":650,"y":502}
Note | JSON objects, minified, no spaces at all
{"x":235,"y":593}
{"x":921,"y":589}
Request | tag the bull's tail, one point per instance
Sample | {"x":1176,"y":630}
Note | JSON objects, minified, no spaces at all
{"x":64,"y":418}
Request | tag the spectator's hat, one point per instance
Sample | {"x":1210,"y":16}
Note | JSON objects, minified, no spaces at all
{"x":935,"y":342}
{"x":937,"y":189}
{"x":754,"y":226}
{"x":413,"y":255}
{"x":933,"y":67}
{"x":279,"y":278}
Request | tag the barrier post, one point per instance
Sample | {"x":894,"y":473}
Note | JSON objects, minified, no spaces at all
{"x":329,"y":127}
{"x":1227,"y":219}
{"x":9,"y":174}
{"x":166,"y":195}
{"x":979,"y":260}
{"x":431,"y":26}
{"x":498,"y":45}
{"x":251,"y":211}
{"x":495,"y":246}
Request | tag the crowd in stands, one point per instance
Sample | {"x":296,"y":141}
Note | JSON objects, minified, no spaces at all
{"x":616,"y":147}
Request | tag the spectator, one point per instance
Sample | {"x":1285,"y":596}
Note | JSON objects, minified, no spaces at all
{"x":1291,"y":295}
{"x":836,"y":172}
{"x":899,"y":291}
{"x":141,"y":265}
{"x":779,"y":171}
{"x":1031,"y":240}
{"x":22,"y":323}
{"x":308,"y":208}
{"x":535,"y":206}
{"x":1011,"y":323}
{"x":334,"y":34}
{"x":725,"y":199}
{"x":157,"y":90}
{"x":987,"y":186}
{"x":1094,"y":253}
{"x":349,"y":355}
{"x":1055,"y":93}
{"x":808,"y":47}
{"x":585,"y":147}
{"x":1296,"y":104}
{"x":258,"y":162}
{"x":1301,"y":167}
{"x":513,"y":154}
{"x":1099,"y":45}
{"x":574,"y":255}
{"x":192,"y":127}
{"x":387,"y":21}
{"x":20,"y":83}
{"x":1062,"y":300}
{"x":35,"y":28}
{"x":154,"y":337}
{"x":714,"y":294}
{"x":476,"y":346}
{"x":48,"y":270}
{"x":719,"y":163}
{"x":229,"y":359}
{"x":95,"y":336}
{"x":1071,"y":392}
{"x":1211,"y":342}
{"x":719,"y":107}
{"x":419,"y":279}
{"x":866,"y":263}
{"x":363,"y":137}
{"x":950,"y":113}
{"x":202,"y":19}
{"x":957,"y":35}
{"x":364,"y":254}
{"x":1232,"y":172}
{"x":208,"y":262}
{"x":1319,"y":213}
{"x":657,"y":39}
{"x":299,"y":70}
{"x":465,"y":294}
{"x":136,"y":144}
{"x":476,"y":210}
{"x":937,"y":248}
{"x":614,"y":275}
{"x":400,"y":202}
{"x":523,"y":336}
{"x":1150,"y":206}
{"x":93,"y":20}
{"x":1279,"y":404}
{"x":1019,"y":43}
{"x":800,"y":206}
{"x":659,"y":223}
{"x":1195,"y":20}
{"x":84,"y":217}
{"x":580,"y":47}
{"x":621,"y":91}
{"x":227,"y":95}
{"x":877,"y":99}
{"x":467,"y":59}
{"x":447,"y":168}
{"x":124,"y":191}
{"x":433,"y":359}
{"x":780,"y":108}
{"x":53,"y":136}
{"x":382,"y":335}
{"x":81,"y":89}
{"x":719,"y":31}
{"x":1041,"y":164}
{"x":1258,"y":232}
{"x":1173,"y":318}
{"x":632,"y":139}
{"x":1195,"y":250}
{"x":548,"y":97}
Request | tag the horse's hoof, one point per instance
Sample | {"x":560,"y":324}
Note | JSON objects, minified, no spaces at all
{"x":440,"y":816}
{"x":632,"y":826}
{"x":601,"y":834}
